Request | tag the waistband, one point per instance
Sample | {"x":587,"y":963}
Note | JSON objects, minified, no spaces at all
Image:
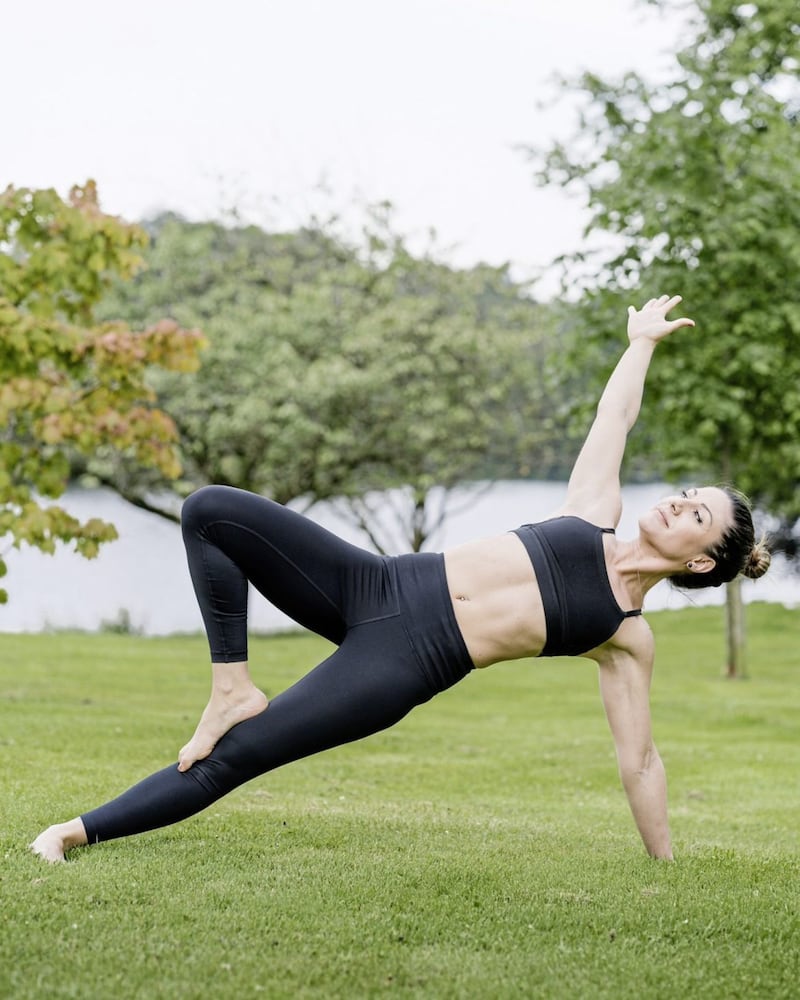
{"x":426,"y":610}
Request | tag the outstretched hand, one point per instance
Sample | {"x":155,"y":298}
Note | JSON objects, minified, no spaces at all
{"x":650,"y":322}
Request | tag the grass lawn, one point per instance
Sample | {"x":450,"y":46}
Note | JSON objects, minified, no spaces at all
{"x":482,"y":848}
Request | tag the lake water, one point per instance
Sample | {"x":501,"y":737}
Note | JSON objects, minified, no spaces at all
{"x":143,"y":575}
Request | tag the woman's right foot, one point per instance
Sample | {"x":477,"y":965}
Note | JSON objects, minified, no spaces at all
{"x":225,"y":709}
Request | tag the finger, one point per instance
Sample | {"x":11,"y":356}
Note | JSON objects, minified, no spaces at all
{"x":676,"y":324}
{"x":672,"y":302}
{"x":662,"y":299}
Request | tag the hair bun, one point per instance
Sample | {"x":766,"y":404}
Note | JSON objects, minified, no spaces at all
{"x":757,"y":562}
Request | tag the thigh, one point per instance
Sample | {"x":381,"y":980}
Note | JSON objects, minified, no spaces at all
{"x":371,"y":682}
{"x":321,"y":581}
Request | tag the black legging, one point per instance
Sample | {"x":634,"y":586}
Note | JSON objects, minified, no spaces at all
{"x":392,"y":619}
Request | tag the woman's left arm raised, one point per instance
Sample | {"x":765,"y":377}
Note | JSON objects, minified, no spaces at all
{"x":593,"y":491}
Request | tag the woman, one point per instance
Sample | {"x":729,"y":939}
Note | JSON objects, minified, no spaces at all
{"x":408,"y":627}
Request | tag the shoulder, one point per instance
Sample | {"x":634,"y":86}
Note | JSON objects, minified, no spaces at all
{"x":625,"y":675}
{"x":602,"y":512}
{"x":632,"y":648}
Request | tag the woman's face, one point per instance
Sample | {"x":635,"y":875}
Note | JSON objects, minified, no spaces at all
{"x":688,"y":523}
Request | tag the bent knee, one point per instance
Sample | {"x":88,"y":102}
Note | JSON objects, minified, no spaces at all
{"x":205,"y":505}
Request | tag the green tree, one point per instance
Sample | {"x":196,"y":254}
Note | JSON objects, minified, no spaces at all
{"x":68,"y":384}
{"x":696,"y":177}
{"x":337,"y":370}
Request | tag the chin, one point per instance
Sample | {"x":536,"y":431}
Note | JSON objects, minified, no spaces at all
{"x":652,"y":528}
{"x":650,"y":522}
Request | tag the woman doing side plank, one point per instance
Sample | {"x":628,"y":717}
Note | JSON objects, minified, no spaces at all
{"x":408,"y":627}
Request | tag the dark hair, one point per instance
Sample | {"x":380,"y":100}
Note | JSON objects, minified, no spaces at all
{"x":736,"y":552}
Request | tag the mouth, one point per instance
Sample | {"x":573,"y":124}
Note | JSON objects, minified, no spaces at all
{"x":663,"y":517}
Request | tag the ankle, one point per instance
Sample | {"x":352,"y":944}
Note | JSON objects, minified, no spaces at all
{"x":77,"y":835}
{"x":72,"y":833}
{"x":229,"y":678}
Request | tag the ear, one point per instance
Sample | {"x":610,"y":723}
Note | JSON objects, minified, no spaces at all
{"x":701,"y":564}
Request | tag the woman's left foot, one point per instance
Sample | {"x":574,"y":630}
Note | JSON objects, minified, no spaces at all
{"x":53,"y":843}
{"x":49,"y":845}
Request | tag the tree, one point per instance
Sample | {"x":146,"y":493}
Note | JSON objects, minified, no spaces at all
{"x":337,"y":370}
{"x":696,"y":179}
{"x":70,"y":385}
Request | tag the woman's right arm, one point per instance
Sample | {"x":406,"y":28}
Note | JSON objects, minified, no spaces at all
{"x":593,"y":491}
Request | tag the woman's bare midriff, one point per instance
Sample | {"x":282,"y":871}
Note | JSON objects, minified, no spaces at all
{"x":496,"y":599}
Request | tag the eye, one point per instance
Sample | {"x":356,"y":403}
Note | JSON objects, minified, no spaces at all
{"x":696,"y":512}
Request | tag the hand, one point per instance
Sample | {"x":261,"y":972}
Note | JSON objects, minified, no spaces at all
{"x":650,"y":322}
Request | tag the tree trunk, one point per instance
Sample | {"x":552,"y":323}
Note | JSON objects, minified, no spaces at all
{"x":734,"y":608}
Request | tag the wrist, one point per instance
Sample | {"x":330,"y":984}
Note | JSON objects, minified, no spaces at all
{"x":643,"y":343}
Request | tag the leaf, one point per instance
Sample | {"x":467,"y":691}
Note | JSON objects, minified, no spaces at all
{"x":68,"y":385}
{"x":694,"y":179}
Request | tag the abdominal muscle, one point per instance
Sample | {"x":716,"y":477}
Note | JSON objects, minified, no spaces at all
{"x":496,"y":599}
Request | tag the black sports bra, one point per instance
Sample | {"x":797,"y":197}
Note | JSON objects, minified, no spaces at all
{"x":580,"y":609}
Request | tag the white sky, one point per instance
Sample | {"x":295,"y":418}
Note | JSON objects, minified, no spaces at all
{"x":201,"y":106}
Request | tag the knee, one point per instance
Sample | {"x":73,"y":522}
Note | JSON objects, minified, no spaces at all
{"x":204,"y":506}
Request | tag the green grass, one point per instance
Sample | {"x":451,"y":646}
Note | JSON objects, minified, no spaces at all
{"x":482,"y":848}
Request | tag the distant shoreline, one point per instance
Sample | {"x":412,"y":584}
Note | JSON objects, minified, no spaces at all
{"x":140,"y":583}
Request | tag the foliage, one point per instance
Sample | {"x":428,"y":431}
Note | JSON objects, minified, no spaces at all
{"x":68,"y":384}
{"x":337,"y":369}
{"x":480,"y":848}
{"x":696,"y":178}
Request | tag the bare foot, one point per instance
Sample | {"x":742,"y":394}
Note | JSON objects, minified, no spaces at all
{"x":223,"y":712}
{"x":53,"y":843}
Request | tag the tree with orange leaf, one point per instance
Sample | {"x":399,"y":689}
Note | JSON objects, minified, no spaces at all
{"x":70,"y":385}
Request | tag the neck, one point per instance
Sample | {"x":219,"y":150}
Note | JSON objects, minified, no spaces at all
{"x":639,"y":568}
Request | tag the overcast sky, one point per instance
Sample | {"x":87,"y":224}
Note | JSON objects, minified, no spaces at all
{"x":199,"y":107}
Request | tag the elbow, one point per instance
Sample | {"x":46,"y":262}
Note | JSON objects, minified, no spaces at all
{"x":611,"y":406}
{"x":637,"y":767}
{"x":616,"y":410}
